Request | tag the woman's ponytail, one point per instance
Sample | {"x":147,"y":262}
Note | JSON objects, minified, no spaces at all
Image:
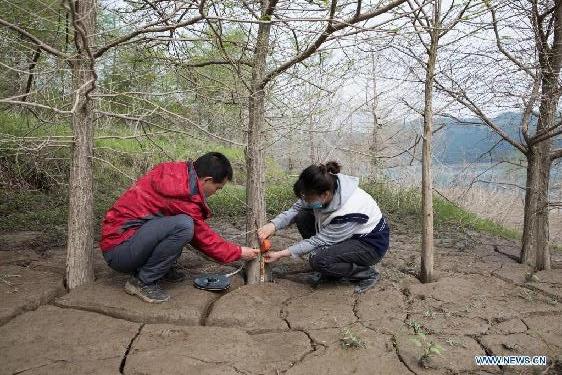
{"x":333,"y":167}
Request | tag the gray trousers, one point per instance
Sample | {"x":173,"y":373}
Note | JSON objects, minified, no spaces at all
{"x":153,"y":249}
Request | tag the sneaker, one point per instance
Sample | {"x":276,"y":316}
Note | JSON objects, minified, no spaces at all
{"x":151,"y":293}
{"x":174,"y":275}
{"x":314,"y":279}
{"x":365,"y":280}
{"x":318,"y":278}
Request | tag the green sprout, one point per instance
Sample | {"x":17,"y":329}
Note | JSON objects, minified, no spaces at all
{"x":530,"y":277}
{"x":429,"y":348}
{"x":350,"y":339}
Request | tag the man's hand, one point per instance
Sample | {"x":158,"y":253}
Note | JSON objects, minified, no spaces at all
{"x":274,"y":256}
{"x":248,"y":253}
{"x":266,"y":231}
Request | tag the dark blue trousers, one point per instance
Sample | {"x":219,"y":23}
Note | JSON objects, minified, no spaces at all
{"x":153,"y":249}
{"x":345,"y":258}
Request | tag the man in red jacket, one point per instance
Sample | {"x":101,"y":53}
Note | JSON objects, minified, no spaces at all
{"x":144,"y":232}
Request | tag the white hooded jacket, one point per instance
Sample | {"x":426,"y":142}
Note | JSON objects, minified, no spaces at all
{"x":351,"y":213}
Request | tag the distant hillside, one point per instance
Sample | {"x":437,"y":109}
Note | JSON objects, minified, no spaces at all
{"x":469,"y":140}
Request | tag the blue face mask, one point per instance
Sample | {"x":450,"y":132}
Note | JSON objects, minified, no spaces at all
{"x":313,"y":205}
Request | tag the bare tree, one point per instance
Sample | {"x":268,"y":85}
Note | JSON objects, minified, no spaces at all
{"x":434,"y":30}
{"x":261,"y":76}
{"x":79,"y":255}
{"x":535,"y":59}
{"x":430,"y":28}
{"x":255,"y":188}
{"x":82,"y":62}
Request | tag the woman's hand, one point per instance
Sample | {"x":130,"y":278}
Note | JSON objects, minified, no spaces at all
{"x":248,"y":253}
{"x":266,"y":231}
{"x":274,"y":256}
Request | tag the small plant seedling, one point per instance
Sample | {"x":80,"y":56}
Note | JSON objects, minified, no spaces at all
{"x":510,"y":346}
{"x":452,"y":342}
{"x":429,"y":348}
{"x":429,"y":313}
{"x":415,"y":326}
{"x":352,"y":340}
{"x":531,"y":277}
{"x":527,"y":295}
{"x":4,"y":279}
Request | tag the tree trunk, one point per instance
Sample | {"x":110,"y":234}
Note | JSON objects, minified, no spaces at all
{"x":30,"y":75}
{"x":311,"y":151}
{"x":426,"y":274}
{"x":291,"y":151}
{"x":535,"y":244}
{"x":255,"y":163}
{"x":79,"y":257}
{"x":373,"y":144}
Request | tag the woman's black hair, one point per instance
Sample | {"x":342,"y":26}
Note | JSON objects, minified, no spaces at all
{"x":317,"y":179}
{"x":215,"y":165}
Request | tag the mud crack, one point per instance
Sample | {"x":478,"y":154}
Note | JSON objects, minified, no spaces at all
{"x":524,"y":285}
{"x":284,"y":314}
{"x":355,"y":307}
{"x":40,"y":366}
{"x":510,"y":256}
{"x":400,"y":358}
{"x":124,"y":360}
{"x":208,"y":310}
{"x":487,"y":350}
{"x":314,"y":346}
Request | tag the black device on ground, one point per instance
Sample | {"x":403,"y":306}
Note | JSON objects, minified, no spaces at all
{"x":214,"y":282}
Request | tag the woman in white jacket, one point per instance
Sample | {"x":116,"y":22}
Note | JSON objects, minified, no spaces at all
{"x":342,"y":226}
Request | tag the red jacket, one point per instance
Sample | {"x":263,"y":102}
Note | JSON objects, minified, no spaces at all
{"x":168,"y":189}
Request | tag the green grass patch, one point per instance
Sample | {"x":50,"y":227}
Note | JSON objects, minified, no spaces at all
{"x":231,"y":200}
{"x":31,"y":209}
{"x":35,"y":196}
{"x":404,"y":206}
{"x":448,"y":213}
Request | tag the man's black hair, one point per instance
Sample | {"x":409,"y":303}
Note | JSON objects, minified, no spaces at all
{"x":215,"y":165}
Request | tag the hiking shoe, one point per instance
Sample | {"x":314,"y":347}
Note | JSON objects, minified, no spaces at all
{"x":365,"y":280}
{"x":314,"y":279}
{"x":151,"y":293}
{"x":174,"y":275}
{"x":318,"y":278}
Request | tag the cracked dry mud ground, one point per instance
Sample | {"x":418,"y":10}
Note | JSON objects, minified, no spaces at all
{"x":481,"y":304}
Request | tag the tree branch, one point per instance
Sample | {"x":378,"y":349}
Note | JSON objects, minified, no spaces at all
{"x":529,"y":109}
{"x":556,"y":154}
{"x":213,"y":62}
{"x":500,"y":46}
{"x":28,"y":104}
{"x":463,"y":99}
{"x":151,"y":28}
{"x":38,"y":42}
{"x":544,"y":136}
{"x":332,"y":27}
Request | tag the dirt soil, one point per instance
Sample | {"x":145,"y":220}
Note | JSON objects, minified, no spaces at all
{"x":481,"y":304}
